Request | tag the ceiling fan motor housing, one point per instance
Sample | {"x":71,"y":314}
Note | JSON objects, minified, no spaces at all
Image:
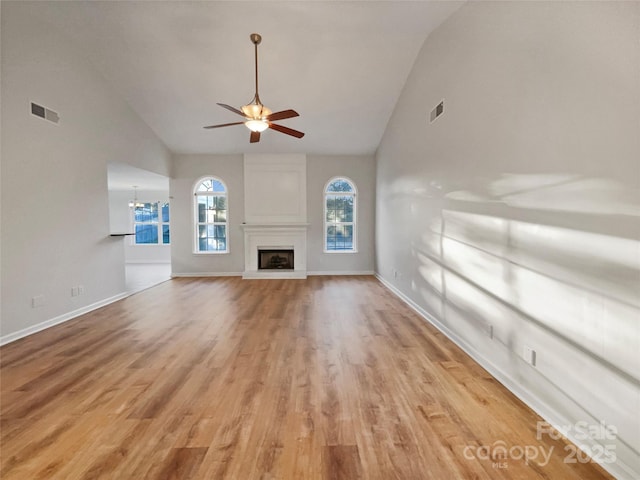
{"x":256,"y":111}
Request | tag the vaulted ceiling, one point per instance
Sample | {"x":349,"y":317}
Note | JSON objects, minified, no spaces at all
{"x":341,"y":65}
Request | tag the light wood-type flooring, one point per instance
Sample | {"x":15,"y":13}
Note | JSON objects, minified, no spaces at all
{"x":223,"y":378}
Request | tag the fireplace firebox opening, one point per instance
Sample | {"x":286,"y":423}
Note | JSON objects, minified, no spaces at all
{"x":275,"y":259}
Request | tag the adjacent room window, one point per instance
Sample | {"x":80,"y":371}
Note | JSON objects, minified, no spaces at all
{"x":151,"y":223}
{"x":211,"y":213}
{"x":340,"y":216}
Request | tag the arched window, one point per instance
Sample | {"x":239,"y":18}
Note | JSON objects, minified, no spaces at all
{"x":211,"y":212}
{"x":340,"y":215}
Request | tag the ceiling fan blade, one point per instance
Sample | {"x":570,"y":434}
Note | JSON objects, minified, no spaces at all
{"x":229,"y":107}
{"x":282,"y":115}
{"x":255,"y":137}
{"x":224,"y":125}
{"x":288,"y":131}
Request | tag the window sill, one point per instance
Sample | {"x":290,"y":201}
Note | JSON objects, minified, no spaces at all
{"x":150,"y":244}
{"x":340,"y":251}
{"x":210,"y":253}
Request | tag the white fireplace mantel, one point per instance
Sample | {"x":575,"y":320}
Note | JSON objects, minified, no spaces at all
{"x":274,"y":226}
{"x":276,"y":235}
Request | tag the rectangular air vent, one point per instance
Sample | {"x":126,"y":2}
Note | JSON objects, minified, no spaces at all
{"x":43,"y":112}
{"x":436,"y":112}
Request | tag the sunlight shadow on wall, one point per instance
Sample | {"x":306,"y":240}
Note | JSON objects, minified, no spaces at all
{"x":551,"y":262}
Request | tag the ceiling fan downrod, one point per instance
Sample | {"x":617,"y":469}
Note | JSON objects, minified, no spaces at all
{"x":256,"y":39}
{"x":255,"y":110}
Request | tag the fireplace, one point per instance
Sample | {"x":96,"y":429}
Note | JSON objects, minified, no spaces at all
{"x":275,"y":259}
{"x":275,"y":219}
{"x":275,"y":240}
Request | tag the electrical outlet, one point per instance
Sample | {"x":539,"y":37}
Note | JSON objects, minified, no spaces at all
{"x":74,"y":291}
{"x":529,"y":355}
{"x":37,"y":301}
{"x":80,"y":289}
{"x":489,"y":330}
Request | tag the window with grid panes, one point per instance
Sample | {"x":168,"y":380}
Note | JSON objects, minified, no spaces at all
{"x":151,"y":223}
{"x":211,"y":213}
{"x":340,"y":216}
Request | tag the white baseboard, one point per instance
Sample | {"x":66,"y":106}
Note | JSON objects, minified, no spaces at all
{"x":206,"y":274}
{"x":25,"y":332}
{"x":342,"y":272}
{"x":618,"y":469}
{"x":241,"y":274}
{"x":147,"y":262}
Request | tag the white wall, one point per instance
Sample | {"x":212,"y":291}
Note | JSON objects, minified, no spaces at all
{"x":119,"y":211}
{"x":519,"y":207}
{"x":55,"y":208}
{"x":189,"y":168}
{"x":360,"y":169}
{"x":186,"y":171}
{"x":275,"y":188}
{"x":120,"y":221}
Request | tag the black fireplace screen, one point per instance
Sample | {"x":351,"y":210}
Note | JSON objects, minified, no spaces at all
{"x":275,"y":259}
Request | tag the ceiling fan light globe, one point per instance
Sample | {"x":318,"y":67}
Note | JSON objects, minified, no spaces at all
{"x":256,"y":125}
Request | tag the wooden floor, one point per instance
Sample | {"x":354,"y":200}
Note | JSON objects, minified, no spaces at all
{"x":325,"y":378}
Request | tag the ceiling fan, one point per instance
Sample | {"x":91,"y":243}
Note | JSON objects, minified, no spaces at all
{"x":258,"y":117}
